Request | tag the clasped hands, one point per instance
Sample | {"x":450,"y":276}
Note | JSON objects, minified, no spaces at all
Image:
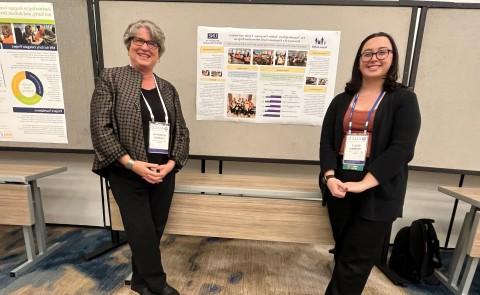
{"x":152,"y":173}
{"x":339,"y":188}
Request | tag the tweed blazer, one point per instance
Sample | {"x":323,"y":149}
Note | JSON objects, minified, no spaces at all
{"x":116,"y":119}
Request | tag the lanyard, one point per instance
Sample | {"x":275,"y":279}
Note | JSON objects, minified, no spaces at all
{"x":161,"y":99}
{"x":374,"y":107}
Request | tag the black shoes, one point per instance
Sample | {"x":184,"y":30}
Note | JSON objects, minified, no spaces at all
{"x":169,"y":290}
{"x":143,"y":290}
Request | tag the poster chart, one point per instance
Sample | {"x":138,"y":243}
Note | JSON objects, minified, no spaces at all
{"x":31,"y":95}
{"x":265,"y":76}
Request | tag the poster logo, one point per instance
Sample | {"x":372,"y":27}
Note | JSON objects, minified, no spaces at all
{"x":320,"y":42}
{"x":212,"y":35}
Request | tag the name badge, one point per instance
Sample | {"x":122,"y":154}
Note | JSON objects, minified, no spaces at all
{"x":355,"y":152}
{"x":159,"y":138}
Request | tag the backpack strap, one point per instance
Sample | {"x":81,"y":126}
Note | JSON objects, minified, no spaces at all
{"x":417,"y":248}
{"x":435,"y":244}
{"x":431,"y":258}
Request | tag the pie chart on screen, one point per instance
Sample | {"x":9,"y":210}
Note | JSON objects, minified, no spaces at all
{"x":27,"y":88}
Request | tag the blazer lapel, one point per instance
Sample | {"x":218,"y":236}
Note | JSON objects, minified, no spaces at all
{"x":132,"y":84}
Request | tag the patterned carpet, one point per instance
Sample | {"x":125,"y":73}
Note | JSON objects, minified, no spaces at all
{"x":195,"y":265}
{"x":65,"y":267}
{"x":418,"y":289}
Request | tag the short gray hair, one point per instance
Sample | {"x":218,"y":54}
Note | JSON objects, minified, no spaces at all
{"x":157,"y":34}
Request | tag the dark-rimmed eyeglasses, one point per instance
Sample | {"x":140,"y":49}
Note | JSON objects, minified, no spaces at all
{"x":381,"y":54}
{"x":150,"y":44}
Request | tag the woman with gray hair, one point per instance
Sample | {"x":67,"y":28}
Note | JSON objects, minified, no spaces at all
{"x":140,"y":140}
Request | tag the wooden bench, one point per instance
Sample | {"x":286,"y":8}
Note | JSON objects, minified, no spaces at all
{"x":249,"y":207}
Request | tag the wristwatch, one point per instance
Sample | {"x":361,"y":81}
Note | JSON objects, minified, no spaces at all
{"x":129,"y":164}
{"x":327,"y":177}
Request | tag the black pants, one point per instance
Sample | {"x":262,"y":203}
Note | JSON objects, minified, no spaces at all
{"x":144,"y":208}
{"x":358,"y":244}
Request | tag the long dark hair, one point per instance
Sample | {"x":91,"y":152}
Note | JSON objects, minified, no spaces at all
{"x":390,"y":83}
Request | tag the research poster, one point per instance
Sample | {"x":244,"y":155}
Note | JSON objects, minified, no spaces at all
{"x":265,"y":76}
{"x":31,"y":94}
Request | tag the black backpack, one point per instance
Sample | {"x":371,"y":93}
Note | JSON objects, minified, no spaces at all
{"x":416,"y":252}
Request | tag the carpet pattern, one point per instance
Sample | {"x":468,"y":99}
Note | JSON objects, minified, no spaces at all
{"x":194,"y":265}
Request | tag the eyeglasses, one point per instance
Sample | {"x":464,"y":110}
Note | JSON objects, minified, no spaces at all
{"x":381,"y":54}
{"x":150,"y":44}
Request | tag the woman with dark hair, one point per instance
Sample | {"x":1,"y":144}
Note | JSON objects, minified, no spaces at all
{"x":140,"y":140}
{"x":368,"y":137}
{"x":18,"y":35}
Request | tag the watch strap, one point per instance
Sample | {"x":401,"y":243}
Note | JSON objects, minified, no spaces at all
{"x":129,"y":164}
{"x":327,"y":177}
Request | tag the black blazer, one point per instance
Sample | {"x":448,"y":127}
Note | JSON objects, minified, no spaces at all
{"x":395,"y":131}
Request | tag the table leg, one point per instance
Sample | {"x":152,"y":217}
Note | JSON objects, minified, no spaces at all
{"x":128,"y":280}
{"x":40,"y":230}
{"x":467,"y":277}
{"x":460,"y":250}
{"x":456,"y":283}
{"x":29,"y":248}
{"x":29,"y":242}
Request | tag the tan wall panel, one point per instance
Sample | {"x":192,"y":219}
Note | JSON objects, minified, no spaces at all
{"x":178,"y":65}
{"x":447,"y":89}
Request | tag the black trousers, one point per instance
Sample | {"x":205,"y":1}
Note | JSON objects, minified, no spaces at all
{"x":358,"y":244}
{"x":144,"y":208}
